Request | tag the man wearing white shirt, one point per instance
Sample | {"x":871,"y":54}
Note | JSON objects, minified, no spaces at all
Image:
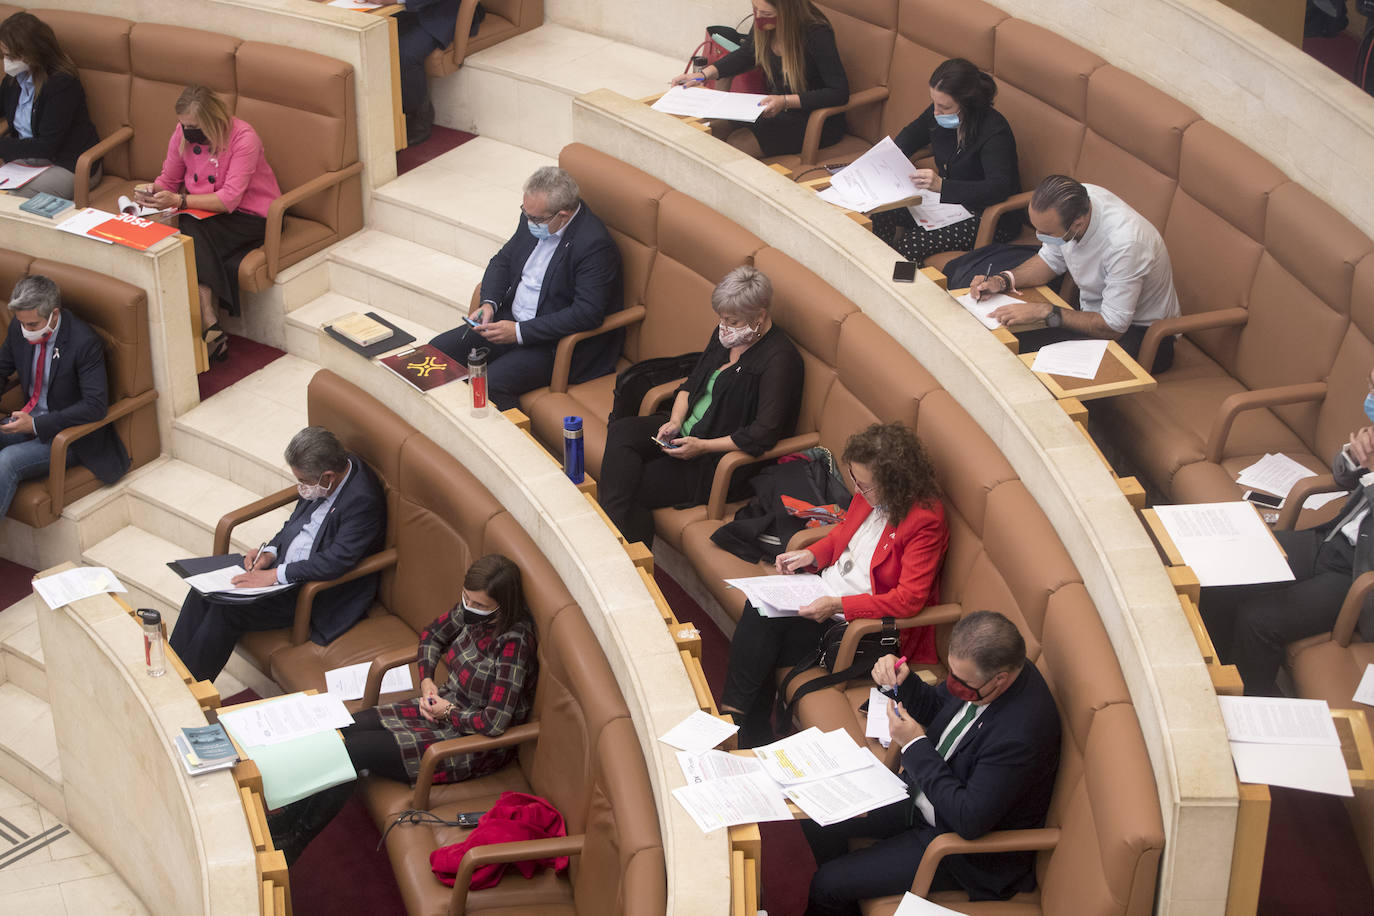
{"x":559,"y":274}
{"x":1257,"y":622}
{"x":339,"y":519}
{"x":979,"y":752}
{"x":1115,"y":255}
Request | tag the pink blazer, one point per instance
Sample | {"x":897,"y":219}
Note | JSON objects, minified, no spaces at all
{"x":238,"y":175}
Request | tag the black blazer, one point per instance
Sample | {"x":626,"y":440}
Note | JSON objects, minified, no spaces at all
{"x":581,"y":287}
{"x":354,"y":528}
{"x":981,"y":173}
{"x":62,"y":128}
{"x":77,"y":392}
{"x":1000,"y":777}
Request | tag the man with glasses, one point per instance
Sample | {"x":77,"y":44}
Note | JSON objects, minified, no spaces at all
{"x":1117,"y":258}
{"x":557,"y":275}
{"x":979,"y":752}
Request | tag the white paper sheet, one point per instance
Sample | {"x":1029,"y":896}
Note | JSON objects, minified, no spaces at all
{"x":932,"y":213}
{"x":222,"y":580}
{"x":782,"y":596}
{"x":127,"y":205}
{"x":13,"y":175}
{"x":698,"y":732}
{"x":285,"y":718}
{"x":1317,"y":500}
{"x":811,"y":754}
{"x":982,"y":309}
{"x":912,"y":905}
{"x":698,"y":102}
{"x":877,"y":726}
{"x":1225,"y":543}
{"x":354,"y":4}
{"x":710,"y":765}
{"x":733,"y":800}
{"x":1310,"y":767}
{"x":1274,"y":474}
{"x":75,"y":584}
{"x":347,"y":683}
{"x":1365,"y":692}
{"x":838,"y":798}
{"x":1071,"y":358}
{"x":80,"y":222}
{"x":1278,"y":720}
{"x":880,"y":176}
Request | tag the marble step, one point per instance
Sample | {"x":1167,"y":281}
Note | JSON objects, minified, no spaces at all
{"x":21,"y":648}
{"x":182,"y":503}
{"x":304,"y":325}
{"x":28,"y":747}
{"x":521,"y":90}
{"x":240,"y":433}
{"x":465,"y":203}
{"x":404,"y":278}
{"x":139,"y":558}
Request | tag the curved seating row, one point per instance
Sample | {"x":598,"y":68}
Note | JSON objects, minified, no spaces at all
{"x":1004,"y":555}
{"x":300,"y":103}
{"x":579,"y":750}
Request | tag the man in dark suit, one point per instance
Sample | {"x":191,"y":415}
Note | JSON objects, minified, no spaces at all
{"x":423,"y":27}
{"x":1256,"y":622}
{"x":558,"y":275}
{"x":339,"y":519}
{"x":60,"y":361}
{"x":979,"y":753}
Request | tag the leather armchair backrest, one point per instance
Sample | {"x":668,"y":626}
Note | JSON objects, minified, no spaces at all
{"x":864,"y":33}
{"x":100,"y":47}
{"x":545,"y":593}
{"x":1343,"y":409}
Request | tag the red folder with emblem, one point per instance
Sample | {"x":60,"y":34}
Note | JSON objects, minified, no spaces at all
{"x":133,"y":231}
{"x":426,"y":367}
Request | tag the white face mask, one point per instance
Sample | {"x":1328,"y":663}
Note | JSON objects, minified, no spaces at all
{"x":737,"y":337}
{"x":312,"y":490}
{"x":476,"y":611}
{"x":15,"y":68}
{"x":38,"y":336}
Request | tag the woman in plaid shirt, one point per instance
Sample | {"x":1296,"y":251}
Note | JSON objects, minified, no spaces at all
{"x":486,"y":642}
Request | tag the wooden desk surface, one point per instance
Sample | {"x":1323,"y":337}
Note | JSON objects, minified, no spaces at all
{"x":1118,"y":374}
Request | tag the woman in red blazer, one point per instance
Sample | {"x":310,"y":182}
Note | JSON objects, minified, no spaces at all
{"x":883,"y":559}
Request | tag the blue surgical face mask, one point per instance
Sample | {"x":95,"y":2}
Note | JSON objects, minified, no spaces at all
{"x":1053,"y":241}
{"x":1369,"y":406}
{"x":947,"y":120}
{"x":538,"y":230}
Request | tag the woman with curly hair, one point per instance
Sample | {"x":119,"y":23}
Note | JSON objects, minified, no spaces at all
{"x":882,"y":560}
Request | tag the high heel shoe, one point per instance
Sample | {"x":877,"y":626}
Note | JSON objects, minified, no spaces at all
{"x":218,"y":347}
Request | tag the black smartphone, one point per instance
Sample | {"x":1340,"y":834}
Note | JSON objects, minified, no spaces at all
{"x":470,"y":818}
{"x":904,"y":272}
{"x":1268,"y":500}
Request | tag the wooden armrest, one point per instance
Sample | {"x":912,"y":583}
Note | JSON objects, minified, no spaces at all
{"x":992,"y":214}
{"x":1344,"y":628}
{"x":720,"y":484}
{"x":519,"y":851}
{"x":562,"y":355}
{"x":441,"y":750}
{"x":1253,"y":400}
{"x":396,"y":658}
{"x":932,"y":615}
{"x":811,"y":142}
{"x":276,"y":211}
{"x":232,"y":520}
{"x":81,"y":194}
{"x":947,"y":844}
{"x":656,"y":395}
{"x":305,"y":601}
{"x":1292,"y":506}
{"x":808,"y":536}
{"x":1183,"y":324}
{"x":57,"y":461}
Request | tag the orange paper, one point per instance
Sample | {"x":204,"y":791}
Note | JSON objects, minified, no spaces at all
{"x":132,"y":231}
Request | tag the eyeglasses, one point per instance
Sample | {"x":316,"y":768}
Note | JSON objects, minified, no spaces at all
{"x":862,"y":489}
{"x":538,"y":220}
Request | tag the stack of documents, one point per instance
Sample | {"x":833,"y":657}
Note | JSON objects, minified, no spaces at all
{"x":349,"y":682}
{"x":1225,"y":543}
{"x":932,"y":214}
{"x":782,"y":596}
{"x":838,"y":798}
{"x":696,"y":102}
{"x":222,"y":580}
{"x":880,"y":176}
{"x":811,"y":754}
{"x":1281,"y":742}
{"x":293,"y":742}
{"x":1278,"y":474}
{"x":75,"y":584}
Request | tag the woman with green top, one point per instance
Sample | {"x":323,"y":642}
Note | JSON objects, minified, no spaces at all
{"x":743,"y":394}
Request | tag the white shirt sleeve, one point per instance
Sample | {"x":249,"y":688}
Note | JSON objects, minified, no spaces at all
{"x":1123,"y":278}
{"x":1053,"y":256}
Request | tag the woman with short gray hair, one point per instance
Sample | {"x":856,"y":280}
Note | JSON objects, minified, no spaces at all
{"x":744,"y":394}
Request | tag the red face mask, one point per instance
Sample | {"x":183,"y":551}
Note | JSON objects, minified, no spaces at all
{"x":963,"y":690}
{"x":762,"y":22}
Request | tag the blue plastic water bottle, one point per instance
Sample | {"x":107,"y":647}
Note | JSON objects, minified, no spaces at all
{"x":572,"y":448}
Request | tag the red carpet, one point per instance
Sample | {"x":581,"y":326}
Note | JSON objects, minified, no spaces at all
{"x":1337,"y":52}
{"x":1312,"y":863}
{"x":440,"y":141}
{"x":14,"y":582}
{"x":245,"y":357}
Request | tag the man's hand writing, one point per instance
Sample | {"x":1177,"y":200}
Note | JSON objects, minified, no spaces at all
{"x":886,"y":674}
{"x":255,"y":578}
{"x":1022,"y":312}
{"x":901,"y":726}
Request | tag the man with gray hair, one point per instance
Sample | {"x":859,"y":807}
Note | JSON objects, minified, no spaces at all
{"x":60,"y":361}
{"x":339,"y":519}
{"x":1117,"y":258}
{"x":557,"y":275}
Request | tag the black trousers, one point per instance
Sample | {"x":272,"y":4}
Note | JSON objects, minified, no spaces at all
{"x":761,"y":645}
{"x":1031,"y":341}
{"x":638,"y":477}
{"x":372,"y":747}
{"x":1256,"y":622}
{"x":512,"y":369}
{"x":886,"y":868}
{"x":208,"y":627}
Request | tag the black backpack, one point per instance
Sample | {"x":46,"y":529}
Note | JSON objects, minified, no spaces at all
{"x":634,"y":383}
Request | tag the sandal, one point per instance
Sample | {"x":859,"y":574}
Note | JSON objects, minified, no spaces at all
{"x":219,"y":346}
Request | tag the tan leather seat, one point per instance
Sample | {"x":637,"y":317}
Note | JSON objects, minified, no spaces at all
{"x":505,"y":19}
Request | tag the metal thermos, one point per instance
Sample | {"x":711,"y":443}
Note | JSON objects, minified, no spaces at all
{"x":572,"y":449}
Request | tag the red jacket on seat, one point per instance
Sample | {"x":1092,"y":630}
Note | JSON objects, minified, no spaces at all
{"x":515,"y":817}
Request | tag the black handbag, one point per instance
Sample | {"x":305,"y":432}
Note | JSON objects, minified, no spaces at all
{"x":634,"y":382}
{"x":871,"y":647}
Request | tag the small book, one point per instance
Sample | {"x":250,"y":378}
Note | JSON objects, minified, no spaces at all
{"x":361,"y":329}
{"x":45,"y":204}
{"x":426,"y":367}
{"x":205,"y":749}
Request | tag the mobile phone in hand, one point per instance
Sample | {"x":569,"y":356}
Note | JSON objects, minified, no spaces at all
{"x":472,"y":322}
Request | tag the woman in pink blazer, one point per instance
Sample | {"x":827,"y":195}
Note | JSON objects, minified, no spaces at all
{"x":215,"y":162}
{"x":883,"y":560}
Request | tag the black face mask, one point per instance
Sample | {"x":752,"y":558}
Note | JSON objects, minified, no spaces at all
{"x":194,"y":135}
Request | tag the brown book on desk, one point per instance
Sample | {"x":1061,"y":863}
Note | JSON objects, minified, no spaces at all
{"x":426,"y":367}
{"x":362,"y":329}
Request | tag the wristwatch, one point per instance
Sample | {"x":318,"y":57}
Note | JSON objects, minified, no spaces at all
{"x":1054,"y":319}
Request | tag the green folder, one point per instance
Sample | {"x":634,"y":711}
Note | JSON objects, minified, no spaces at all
{"x":300,"y":767}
